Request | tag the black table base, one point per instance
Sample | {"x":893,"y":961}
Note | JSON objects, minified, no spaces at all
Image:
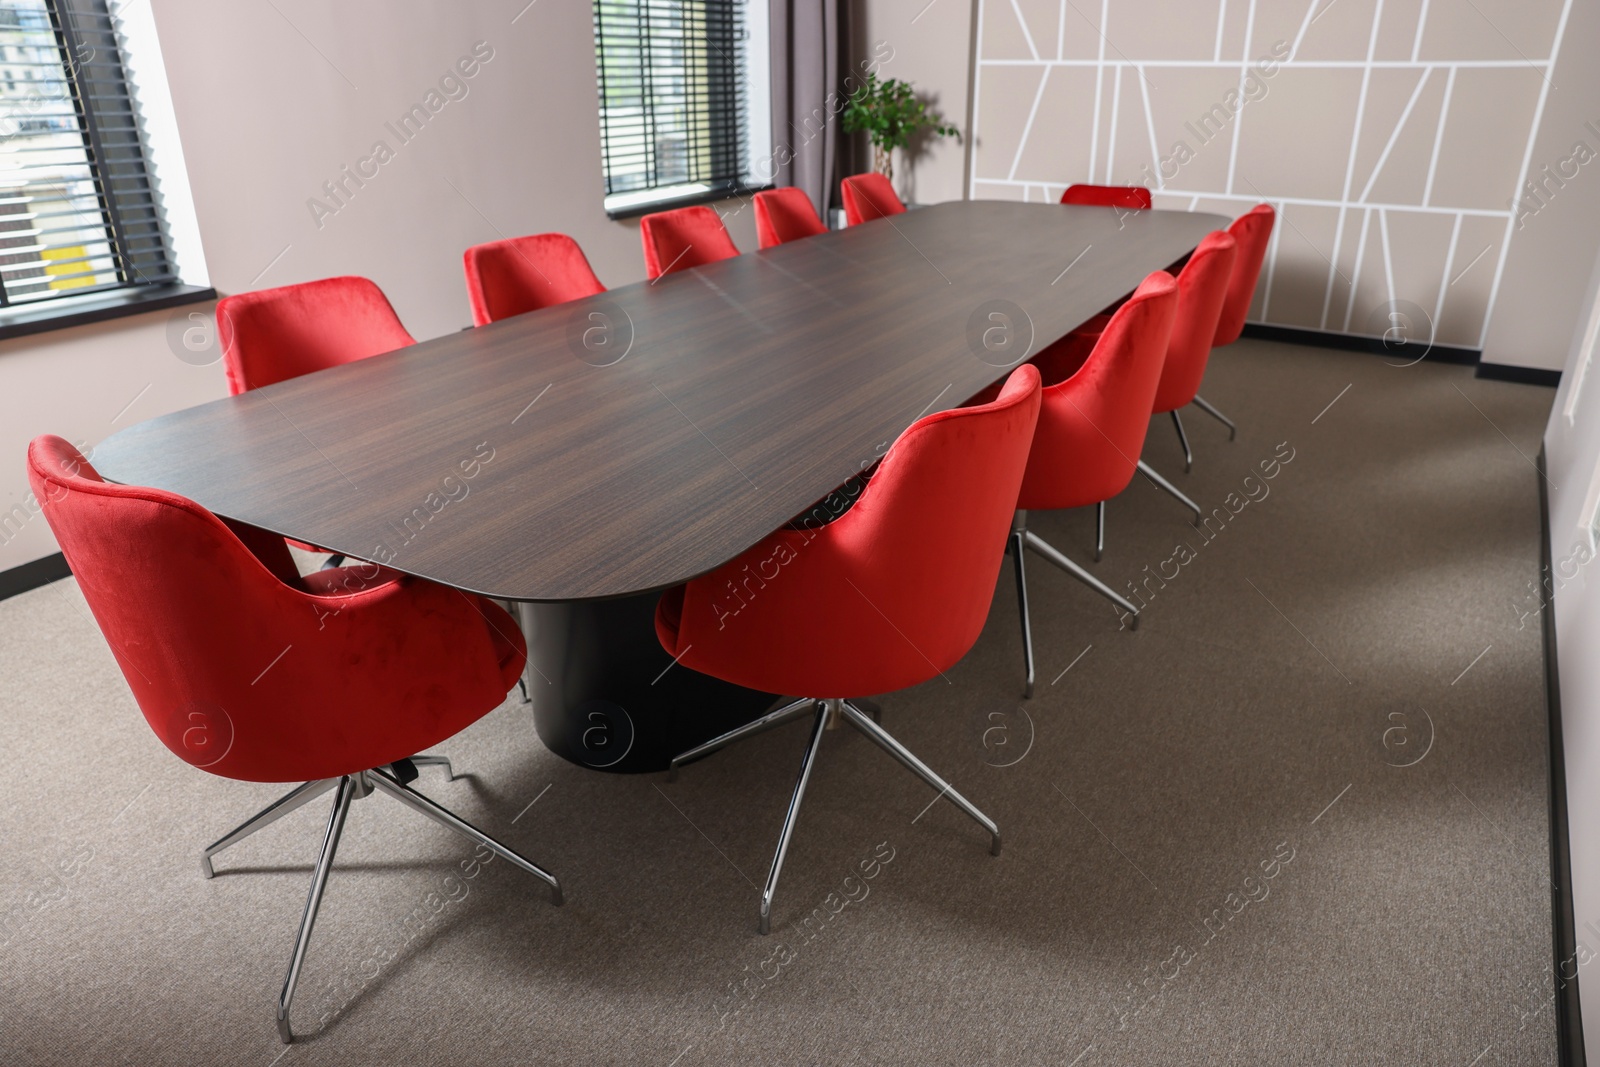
{"x":607,"y":696}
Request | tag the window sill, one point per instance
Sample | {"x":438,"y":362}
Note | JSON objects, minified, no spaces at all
{"x":70,"y":311}
{"x":670,"y":198}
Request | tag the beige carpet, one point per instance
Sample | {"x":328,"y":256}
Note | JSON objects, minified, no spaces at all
{"x":1297,"y":818}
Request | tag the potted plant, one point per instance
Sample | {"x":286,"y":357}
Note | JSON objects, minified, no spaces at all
{"x":890,"y":114}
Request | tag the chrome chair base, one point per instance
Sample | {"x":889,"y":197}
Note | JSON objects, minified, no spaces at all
{"x":348,"y":789}
{"x":1022,"y":537}
{"x":1183,"y":439}
{"x":1205,"y":406}
{"x":756,"y":726}
{"x":1150,"y":472}
{"x":1160,"y":483}
{"x":823,"y":711}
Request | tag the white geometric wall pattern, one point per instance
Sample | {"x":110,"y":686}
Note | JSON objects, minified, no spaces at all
{"x":1394,"y":137}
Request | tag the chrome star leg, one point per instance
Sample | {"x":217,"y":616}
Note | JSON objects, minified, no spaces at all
{"x":764,"y":925}
{"x":1183,"y":439}
{"x":1149,"y":472}
{"x":1205,"y":406}
{"x":1045,"y":549}
{"x":750,"y":729}
{"x":921,"y":770}
{"x":295,"y":798}
{"x":1019,"y":537}
{"x":319,"y":881}
{"x":448,"y":819}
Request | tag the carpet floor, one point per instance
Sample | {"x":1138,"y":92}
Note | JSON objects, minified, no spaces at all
{"x":1297,"y":817}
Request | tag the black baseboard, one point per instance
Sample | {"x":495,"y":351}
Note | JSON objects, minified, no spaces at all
{"x":1344,"y":342}
{"x":1505,"y":372}
{"x":1563,"y":920}
{"x":1350,"y":343}
{"x":32,"y":575}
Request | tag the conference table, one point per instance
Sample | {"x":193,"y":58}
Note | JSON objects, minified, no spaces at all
{"x":580,"y":459}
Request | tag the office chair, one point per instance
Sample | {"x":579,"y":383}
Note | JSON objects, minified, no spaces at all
{"x":522,"y":274}
{"x":1091,"y":430}
{"x":248,"y":671}
{"x":868,"y":197}
{"x":272,"y":335}
{"x":275,"y":334}
{"x":888,"y":595}
{"x":1251,"y":232}
{"x":1133,"y":197}
{"x":684,"y":238}
{"x":1202,"y":287}
{"x":784,"y":215}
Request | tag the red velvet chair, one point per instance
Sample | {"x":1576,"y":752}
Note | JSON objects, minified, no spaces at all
{"x":275,"y":334}
{"x":248,"y":671}
{"x":1202,"y":287}
{"x":1133,"y":197}
{"x":272,"y":335}
{"x":1251,"y":232}
{"x":1091,"y":429}
{"x":687,"y":237}
{"x":784,"y":215}
{"x":868,"y":197}
{"x":522,"y":274}
{"x":888,"y":595}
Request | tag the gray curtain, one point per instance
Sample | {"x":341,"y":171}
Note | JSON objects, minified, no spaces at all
{"x":806,"y":108}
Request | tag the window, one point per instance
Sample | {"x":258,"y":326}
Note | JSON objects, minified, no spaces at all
{"x":78,"y":215}
{"x":684,"y":100}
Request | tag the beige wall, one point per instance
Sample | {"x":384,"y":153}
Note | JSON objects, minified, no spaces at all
{"x":271,"y":106}
{"x":1392,"y":139}
{"x":272,"y":100}
{"x":84,"y":384}
{"x":932,"y":50}
{"x":1545,"y":274}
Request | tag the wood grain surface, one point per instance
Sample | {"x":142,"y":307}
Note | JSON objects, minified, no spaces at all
{"x":526,"y":460}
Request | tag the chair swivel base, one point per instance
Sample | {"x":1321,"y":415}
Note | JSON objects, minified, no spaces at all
{"x":1160,"y":483}
{"x":1183,"y":435}
{"x":1183,"y":439}
{"x":826,"y":711}
{"x":393,"y":781}
{"x":1204,"y":405}
{"x":1024,"y":538}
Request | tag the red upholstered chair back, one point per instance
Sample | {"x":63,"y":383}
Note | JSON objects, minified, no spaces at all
{"x":1136,"y":197}
{"x":522,"y":274}
{"x":275,"y":334}
{"x":934,"y":517}
{"x":1251,"y":231}
{"x":687,"y":237}
{"x":243,"y":669}
{"x":786,"y":215}
{"x":888,"y":594}
{"x":1092,"y":426}
{"x":868,"y":197}
{"x":1202,"y":287}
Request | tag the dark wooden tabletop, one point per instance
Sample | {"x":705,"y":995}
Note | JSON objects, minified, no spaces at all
{"x":525,"y":460}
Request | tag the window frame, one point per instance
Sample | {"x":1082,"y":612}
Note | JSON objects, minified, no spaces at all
{"x":97,"y":85}
{"x":752,"y":134}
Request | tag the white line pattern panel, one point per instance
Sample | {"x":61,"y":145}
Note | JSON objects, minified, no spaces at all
{"x":1118,"y":156}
